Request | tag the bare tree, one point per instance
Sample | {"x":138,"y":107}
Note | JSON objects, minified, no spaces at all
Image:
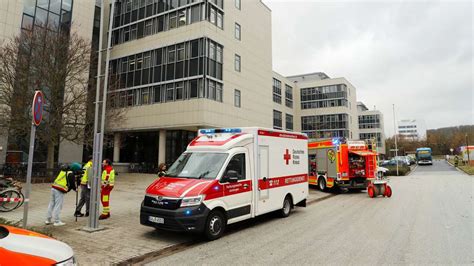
{"x":57,"y":63}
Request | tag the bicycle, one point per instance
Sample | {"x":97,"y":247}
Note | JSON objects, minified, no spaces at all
{"x":11,"y":196}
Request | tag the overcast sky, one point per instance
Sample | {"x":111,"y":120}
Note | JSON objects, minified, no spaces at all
{"x":414,"y":54}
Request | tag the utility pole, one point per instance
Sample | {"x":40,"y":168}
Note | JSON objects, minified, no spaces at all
{"x":395,"y":130}
{"x":100,"y":105}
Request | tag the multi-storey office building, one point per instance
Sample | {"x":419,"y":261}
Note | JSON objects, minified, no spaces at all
{"x":411,"y":129}
{"x":16,"y":15}
{"x":284,"y":103}
{"x":371,"y":126}
{"x":183,"y":65}
{"x":325,"y":107}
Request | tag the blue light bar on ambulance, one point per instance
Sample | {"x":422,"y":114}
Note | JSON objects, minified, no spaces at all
{"x":220,"y":130}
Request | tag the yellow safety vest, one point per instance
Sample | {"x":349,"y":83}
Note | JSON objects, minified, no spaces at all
{"x":85,"y":177}
{"x":60,"y":183}
{"x":108,"y":178}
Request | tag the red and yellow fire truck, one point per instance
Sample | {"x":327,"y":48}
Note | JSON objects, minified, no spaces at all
{"x":342,"y":163}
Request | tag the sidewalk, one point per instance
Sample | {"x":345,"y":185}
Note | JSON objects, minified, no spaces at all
{"x":123,"y":238}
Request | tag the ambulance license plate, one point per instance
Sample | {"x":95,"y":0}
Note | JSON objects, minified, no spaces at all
{"x":156,"y":220}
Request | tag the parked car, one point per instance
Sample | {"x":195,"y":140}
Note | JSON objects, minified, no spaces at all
{"x":24,"y":247}
{"x":392,"y":162}
{"x":404,"y":159}
{"x":411,"y":159}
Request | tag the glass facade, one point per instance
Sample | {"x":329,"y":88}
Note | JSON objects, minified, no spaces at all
{"x":276,"y":91}
{"x":135,"y":19}
{"x":376,"y":136}
{"x":54,"y":15}
{"x":326,"y":126}
{"x":369,"y":121}
{"x":277,"y":120}
{"x":288,"y":96}
{"x":324,"y":96}
{"x":192,"y":69}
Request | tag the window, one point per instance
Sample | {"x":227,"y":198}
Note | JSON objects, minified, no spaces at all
{"x":237,"y":63}
{"x":169,"y":93}
{"x":145,"y":96}
{"x":219,"y":92}
{"x":237,"y":165}
{"x":27,"y":22}
{"x":237,"y":4}
{"x":289,"y":122}
{"x":288,"y":96}
{"x":277,"y":119}
{"x":148,"y":27}
{"x":41,"y":17}
{"x":237,"y":98}
{"x":212,"y":16}
{"x":276,"y":91}
{"x":220,"y":20}
{"x":173,"y":21}
{"x":237,"y":31}
{"x":181,"y":18}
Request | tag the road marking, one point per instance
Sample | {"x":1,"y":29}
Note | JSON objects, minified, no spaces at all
{"x":176,"y":248}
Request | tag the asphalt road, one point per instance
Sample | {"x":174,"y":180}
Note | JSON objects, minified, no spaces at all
{"x":428,"y":220}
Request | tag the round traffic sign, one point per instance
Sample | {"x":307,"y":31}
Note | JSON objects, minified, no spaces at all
{"x":37,"y":108}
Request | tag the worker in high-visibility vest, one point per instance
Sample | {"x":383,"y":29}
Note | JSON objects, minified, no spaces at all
{"x":108,"y":179}
{"x":85,"y":189}
{"x":63,"y":183}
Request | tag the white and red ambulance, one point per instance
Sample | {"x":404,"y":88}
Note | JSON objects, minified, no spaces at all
{"x":226,"y":176}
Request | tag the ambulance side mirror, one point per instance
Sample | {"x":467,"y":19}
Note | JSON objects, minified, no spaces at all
{"x":231,"y":176}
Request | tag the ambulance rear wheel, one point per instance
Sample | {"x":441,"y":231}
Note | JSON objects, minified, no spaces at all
{"x":286,"y":210}
{"x":322,"y":184}
{"x":215,"y":225}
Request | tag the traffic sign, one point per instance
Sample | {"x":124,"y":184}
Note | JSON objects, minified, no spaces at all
{"x":37,"y":108}
{"x":393,"y":149}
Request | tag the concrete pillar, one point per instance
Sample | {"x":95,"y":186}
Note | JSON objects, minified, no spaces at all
{"x":117,"y":144}
{"x":162,"y":147}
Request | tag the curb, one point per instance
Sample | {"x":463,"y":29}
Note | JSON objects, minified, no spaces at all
{"x":457,"y":168}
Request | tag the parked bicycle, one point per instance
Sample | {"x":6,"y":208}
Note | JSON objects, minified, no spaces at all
{"x":11,"y":196}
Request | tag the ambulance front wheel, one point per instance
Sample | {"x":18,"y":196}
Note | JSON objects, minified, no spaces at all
{"x":215,"y":225}
{"x":287,"y":205}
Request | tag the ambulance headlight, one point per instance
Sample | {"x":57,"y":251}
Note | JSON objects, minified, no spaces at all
{"x":191,"y":201}
{"x":70,"y":262}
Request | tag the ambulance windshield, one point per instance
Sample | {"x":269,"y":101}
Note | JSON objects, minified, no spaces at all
{"x":197,"y":165}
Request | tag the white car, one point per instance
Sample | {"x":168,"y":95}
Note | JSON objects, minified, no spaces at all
{"x":24,"y":247}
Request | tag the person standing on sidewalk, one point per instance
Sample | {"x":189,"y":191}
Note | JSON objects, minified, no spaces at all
{"x":64,"y":182}
{"x":85,"y":189}
{"x":108,"y":179}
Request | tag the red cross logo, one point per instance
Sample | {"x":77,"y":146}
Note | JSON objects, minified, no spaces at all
{"x":287,"y":157}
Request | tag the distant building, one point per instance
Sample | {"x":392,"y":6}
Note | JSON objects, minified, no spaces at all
{"x":411,"y":129}
{"x":371,"y":126}
{"x":324,"y":107}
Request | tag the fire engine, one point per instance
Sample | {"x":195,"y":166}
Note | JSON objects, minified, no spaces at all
{"x":342,"y":163}
{"x":226,"y":176}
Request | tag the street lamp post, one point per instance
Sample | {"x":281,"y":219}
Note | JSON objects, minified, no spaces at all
{"x":395,"y":130}
{"x":100,"y":106}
